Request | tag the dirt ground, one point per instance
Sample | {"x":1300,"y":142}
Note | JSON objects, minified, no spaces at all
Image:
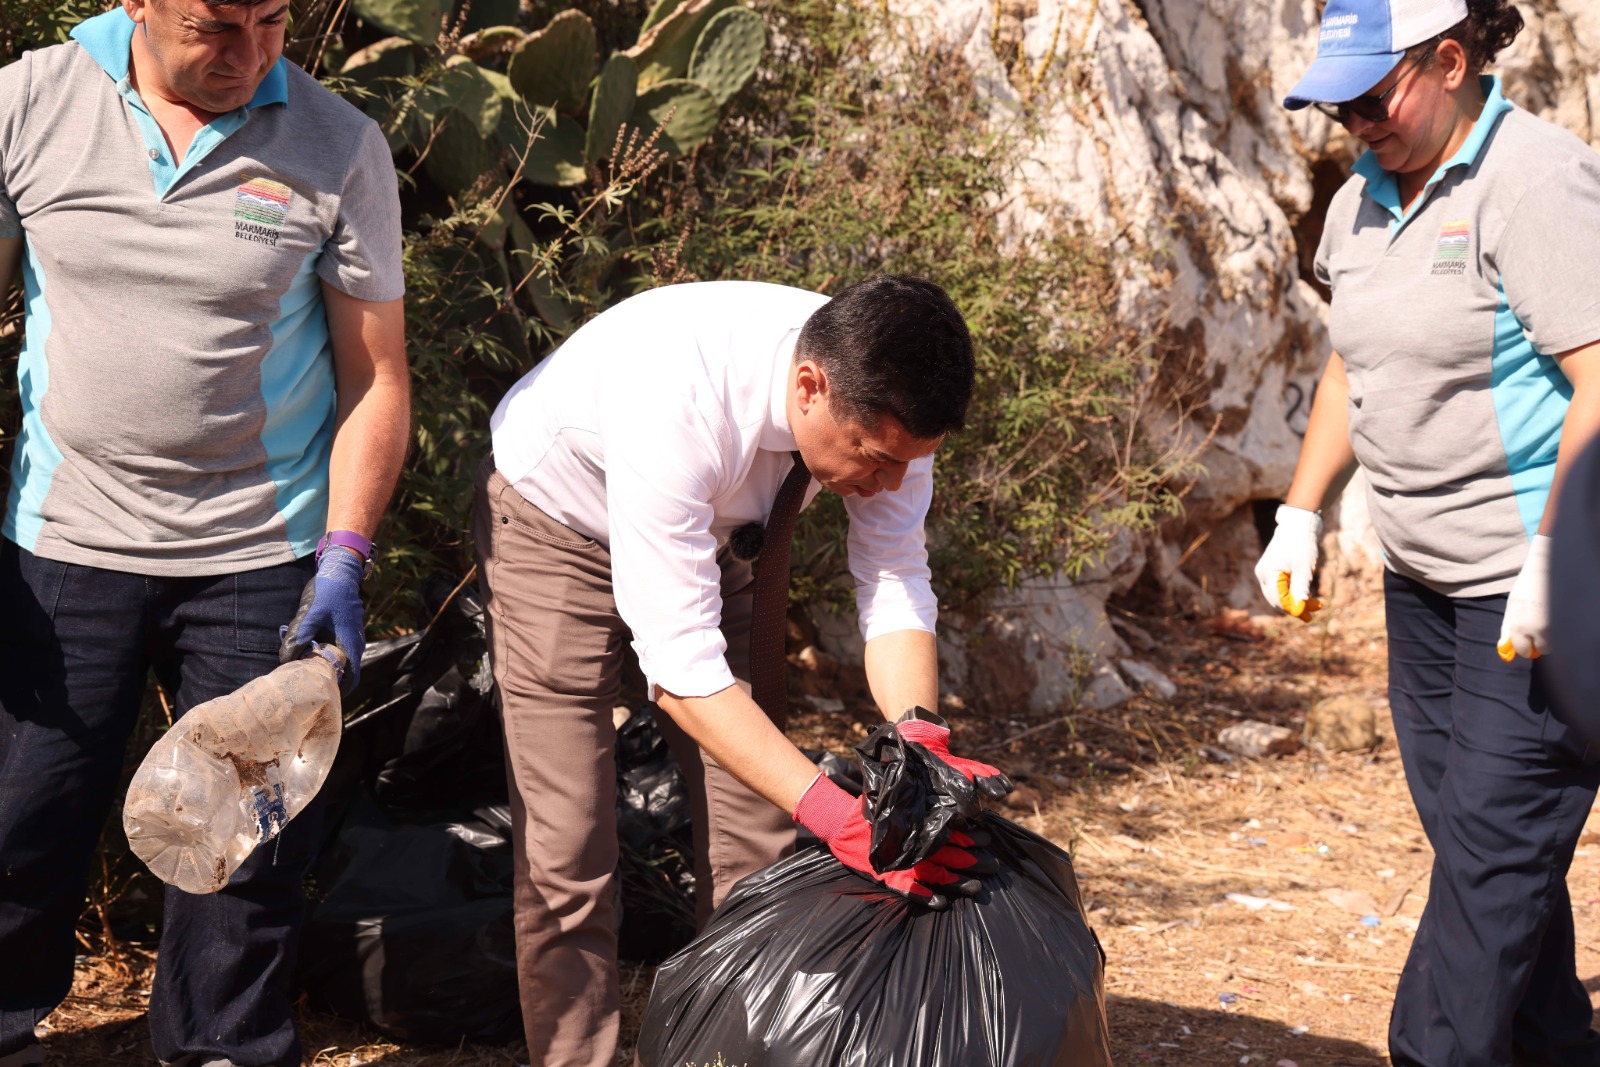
{"x":1252,"y":912}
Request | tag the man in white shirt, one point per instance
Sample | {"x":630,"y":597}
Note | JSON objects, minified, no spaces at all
{"x":630,"y":469}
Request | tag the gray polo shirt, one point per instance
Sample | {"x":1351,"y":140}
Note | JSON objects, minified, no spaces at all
{"x":1448,"y":317}
{"x":176,"y":376}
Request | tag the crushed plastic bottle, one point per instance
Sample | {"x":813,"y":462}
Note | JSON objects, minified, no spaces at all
{"x":230,"y":774}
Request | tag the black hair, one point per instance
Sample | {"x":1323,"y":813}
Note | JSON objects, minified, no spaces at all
{"x":1488,"y":30}
{"x":893,"y":345}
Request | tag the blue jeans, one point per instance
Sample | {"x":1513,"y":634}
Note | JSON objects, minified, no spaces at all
{"x":1502,"y":785}
{"x":76,"y":646}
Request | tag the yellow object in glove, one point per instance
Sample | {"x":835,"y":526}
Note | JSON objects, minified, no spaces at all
{"x":1300,"y":609}
{"x":1527,"y":620}
{"x":1508,"y":651}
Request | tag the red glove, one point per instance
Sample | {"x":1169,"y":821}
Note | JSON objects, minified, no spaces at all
{"x":931,"y":733}
{"x":835,"y":817}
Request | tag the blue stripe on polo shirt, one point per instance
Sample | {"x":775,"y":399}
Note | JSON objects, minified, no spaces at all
{"x":107,"y":38}
{"x":36,"y":457}
{"x":297,"y":386}
{"x":1531,"y":396}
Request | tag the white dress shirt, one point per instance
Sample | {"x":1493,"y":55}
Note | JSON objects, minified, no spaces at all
{"x":657,"y":430}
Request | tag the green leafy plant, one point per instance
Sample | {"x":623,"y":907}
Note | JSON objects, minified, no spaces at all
{"x":863,"y":152}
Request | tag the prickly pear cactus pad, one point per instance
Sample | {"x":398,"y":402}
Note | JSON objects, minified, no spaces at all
{"x":391,"y":57}
{"x":685,"y":111}
{"x":458,"y":153}
{"x":491,"y":41}
{"x":611,"y":105}
{"x":553,"y":66}
{"x":467,"y":87}
{"x":728,"y":52}
{"x":415,"y":20}
{"x":556,"y":155}
{"x":659,"y":12}
{"x":664,"y":51}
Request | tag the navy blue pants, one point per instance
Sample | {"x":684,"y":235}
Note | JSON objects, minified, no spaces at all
{"x":76,"y":646}
{"x":1503,"y":786}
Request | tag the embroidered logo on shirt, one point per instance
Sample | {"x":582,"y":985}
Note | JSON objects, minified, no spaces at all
{"x":259,"y":208}
{"x":1450,"y":254}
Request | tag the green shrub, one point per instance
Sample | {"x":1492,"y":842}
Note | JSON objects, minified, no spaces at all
{"x":861,"y":151}
{"x":853,"y":151}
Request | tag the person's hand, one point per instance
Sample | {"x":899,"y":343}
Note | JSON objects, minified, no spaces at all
{"x":1285,"y":568}
{"x":330,"y":610}
{"x":930,"y":731}
{"x":1525,"y":629}
{"x":835,"y":817}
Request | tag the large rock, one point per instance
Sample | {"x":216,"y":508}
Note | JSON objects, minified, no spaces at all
{"x":1162,"y":128}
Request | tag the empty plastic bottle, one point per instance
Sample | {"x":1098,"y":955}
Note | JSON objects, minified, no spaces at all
{"x":232,"y":772}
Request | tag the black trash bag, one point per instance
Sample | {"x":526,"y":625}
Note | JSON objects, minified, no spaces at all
{"x":425,"y":734}
{"x":913,"y":799}
{"x":412,"y":932}
{"x":810,"y":963}
{"x":410,"y":928}
{"x":655,"y":866}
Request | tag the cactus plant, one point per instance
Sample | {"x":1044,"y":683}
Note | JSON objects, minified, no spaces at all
{"x":728,"y":52}
{"x":663,"y":53}
{"x":552,"y":67}
{"x":391,"y":57}
{"x":457,"y":154}
{"x":685,"y":111}
{"x":468,"y":89}
{"x":556,"y":155}
{"x":611,"y":106}
{"x":415,"y":20}
{"x":658,"y":12}
{"x":489,"y":42}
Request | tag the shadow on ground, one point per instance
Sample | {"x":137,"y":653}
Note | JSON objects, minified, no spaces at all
{"x":1143,"y":1032}
{"x":1149,"y":1032}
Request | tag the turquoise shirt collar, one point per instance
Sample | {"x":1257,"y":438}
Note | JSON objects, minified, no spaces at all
{"x":1381,"y":185}
{"x":108,"y":37}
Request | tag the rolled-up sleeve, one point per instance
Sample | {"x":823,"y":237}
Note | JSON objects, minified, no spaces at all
{"x":889,"y":556}
{"x":663,"y":553}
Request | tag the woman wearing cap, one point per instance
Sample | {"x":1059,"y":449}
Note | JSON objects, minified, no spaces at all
{"x":1464,"y":260}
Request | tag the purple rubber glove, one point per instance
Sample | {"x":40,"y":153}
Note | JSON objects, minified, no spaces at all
{"x":330,"y":611}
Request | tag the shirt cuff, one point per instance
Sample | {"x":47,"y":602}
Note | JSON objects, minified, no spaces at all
{"x":690,"y":665}
{"x":894,"y":606}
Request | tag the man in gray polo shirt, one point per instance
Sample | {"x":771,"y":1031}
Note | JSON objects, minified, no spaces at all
{"x":214,"y":411}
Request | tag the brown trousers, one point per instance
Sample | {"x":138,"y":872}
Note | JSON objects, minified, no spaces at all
{"x":556,"y":644}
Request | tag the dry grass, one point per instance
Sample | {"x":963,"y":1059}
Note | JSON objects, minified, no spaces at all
{"x":1161,"y":836}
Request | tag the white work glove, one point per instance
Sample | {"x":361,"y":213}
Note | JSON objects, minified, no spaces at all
{"x":1527,"y":623}
{"x":1285,"y":568}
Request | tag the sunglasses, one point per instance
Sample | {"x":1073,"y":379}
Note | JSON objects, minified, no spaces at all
{"x":1373,"y":107}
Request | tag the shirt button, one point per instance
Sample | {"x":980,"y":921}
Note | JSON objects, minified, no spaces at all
{"x":155,"y":154}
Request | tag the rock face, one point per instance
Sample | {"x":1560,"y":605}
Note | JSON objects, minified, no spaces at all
{"x":1162,"y":129}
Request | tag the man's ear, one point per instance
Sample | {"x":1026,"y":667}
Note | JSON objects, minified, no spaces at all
{"x":811,"y":384}
{"x":136,"y":9}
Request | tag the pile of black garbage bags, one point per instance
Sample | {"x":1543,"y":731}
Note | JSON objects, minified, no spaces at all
{"x":806,"y":962}
{"x":410,"y":925}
